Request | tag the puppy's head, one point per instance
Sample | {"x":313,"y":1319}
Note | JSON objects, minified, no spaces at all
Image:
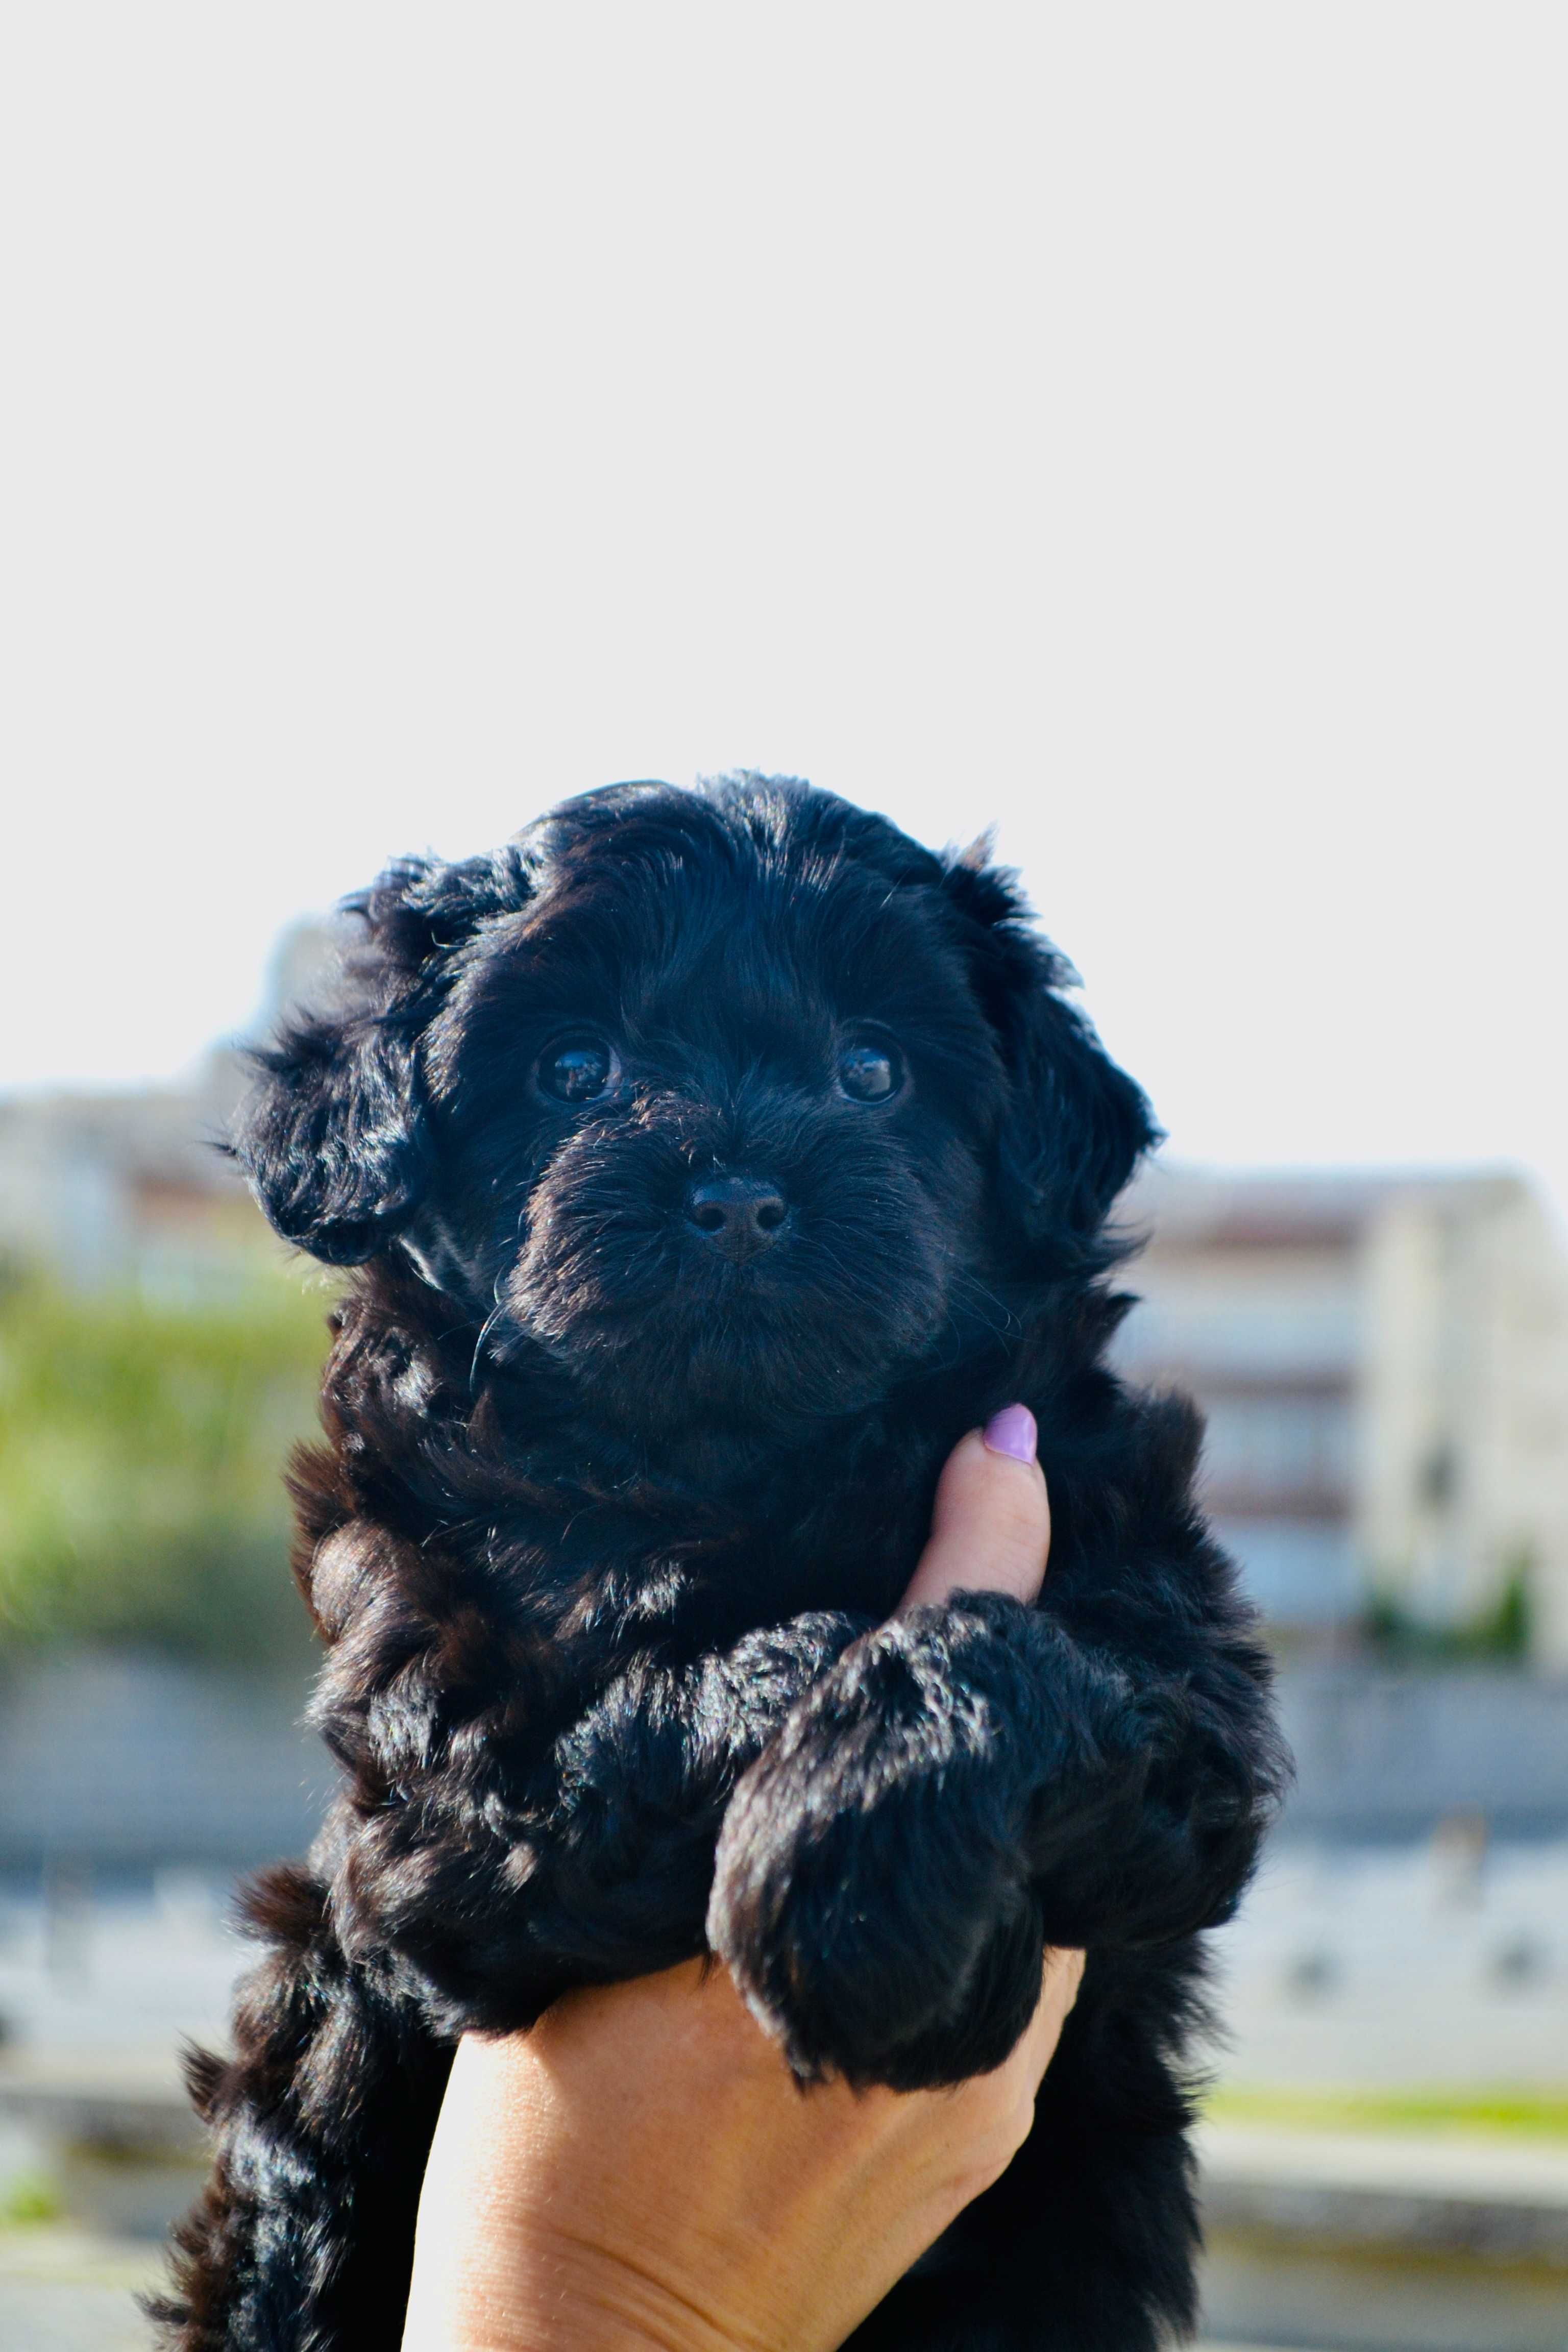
{"x":737,"y":1103}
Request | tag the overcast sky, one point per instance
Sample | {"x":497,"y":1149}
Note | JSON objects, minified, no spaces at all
{"x":1142,"y":427}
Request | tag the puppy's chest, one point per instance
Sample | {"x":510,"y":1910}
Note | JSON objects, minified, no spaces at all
{"x":690,"y":1589}
{"x":851,"y":1549}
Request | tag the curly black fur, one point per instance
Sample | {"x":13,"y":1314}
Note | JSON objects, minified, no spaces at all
{"x":609,"y":1521}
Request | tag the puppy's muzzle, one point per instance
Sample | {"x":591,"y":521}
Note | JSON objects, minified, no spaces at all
{"x":739,"y":1217}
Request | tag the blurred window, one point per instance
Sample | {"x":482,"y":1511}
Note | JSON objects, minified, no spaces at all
{"x":1279,"y":1447}
{"x":1300,"y":1572}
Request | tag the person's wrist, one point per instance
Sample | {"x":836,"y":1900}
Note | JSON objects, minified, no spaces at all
{"x":539,"y":2289}
{"x":530,"y":2240}
{"x":561,"y":2294}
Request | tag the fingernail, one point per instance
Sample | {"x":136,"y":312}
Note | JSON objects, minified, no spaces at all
{"x":1011,"y":1431}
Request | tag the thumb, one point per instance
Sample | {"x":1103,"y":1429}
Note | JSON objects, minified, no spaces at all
{"x":991,"y":1522}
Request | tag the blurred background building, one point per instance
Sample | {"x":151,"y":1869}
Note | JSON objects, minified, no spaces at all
{"x":1381,"y":1363}
{"x":130,"y":1194}
{"x":127,"y":1193}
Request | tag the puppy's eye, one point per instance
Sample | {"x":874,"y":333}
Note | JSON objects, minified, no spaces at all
{"x":579,"y":1070}
{"x":871,"y":1070}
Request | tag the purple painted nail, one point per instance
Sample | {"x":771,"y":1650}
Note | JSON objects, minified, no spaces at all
{"x":1011,"y":1431}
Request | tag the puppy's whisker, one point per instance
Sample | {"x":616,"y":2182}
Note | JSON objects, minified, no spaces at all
{"x":485,"y":1327}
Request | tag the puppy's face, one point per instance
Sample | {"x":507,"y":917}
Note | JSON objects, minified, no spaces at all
{"x":713,"y":1133}
{"x":724,"y":1112}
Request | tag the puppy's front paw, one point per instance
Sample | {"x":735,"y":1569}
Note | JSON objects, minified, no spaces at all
{"x":870,"y":1895}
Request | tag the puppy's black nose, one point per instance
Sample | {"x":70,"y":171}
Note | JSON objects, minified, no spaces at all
{"x":739,"y":1214}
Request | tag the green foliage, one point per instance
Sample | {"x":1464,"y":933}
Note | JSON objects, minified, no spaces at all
{"x":1507,"y":2108}
{"x":1510,"y":1627}
{"x":29,"y":2198}
{"x":1502,"y":1631}
{"x":142,"y":1449}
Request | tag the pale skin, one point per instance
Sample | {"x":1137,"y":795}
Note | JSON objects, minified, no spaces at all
{"x":640,"y":2173}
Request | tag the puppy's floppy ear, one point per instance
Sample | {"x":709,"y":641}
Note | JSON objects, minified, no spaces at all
{"x":1074,"y":1125}
{"x":335,"y":1136}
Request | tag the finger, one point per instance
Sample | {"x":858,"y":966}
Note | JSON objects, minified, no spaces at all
{"x":991,"y":1522}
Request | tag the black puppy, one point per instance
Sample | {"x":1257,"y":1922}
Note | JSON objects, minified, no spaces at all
{"x":714,"y":1159}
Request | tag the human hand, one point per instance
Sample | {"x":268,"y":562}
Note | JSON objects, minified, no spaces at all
{"x":641,"y":2171}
